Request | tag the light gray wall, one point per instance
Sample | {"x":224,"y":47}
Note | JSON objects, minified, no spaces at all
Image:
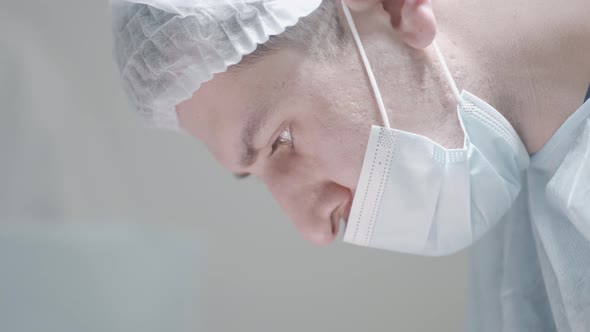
{"x":71,"y":152}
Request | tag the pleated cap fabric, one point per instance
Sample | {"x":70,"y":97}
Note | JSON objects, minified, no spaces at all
{"x":166,"y":49}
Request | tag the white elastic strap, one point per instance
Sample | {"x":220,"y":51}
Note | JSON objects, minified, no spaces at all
{"x":367,"y":64}
{"x":447,"y":72}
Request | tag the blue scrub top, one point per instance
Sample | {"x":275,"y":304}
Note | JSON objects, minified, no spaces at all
{"x":531,"y":273}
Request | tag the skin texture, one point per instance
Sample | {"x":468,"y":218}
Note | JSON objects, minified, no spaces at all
{"x":529,"y":59}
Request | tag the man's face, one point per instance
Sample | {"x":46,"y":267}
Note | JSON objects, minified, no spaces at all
{"x":299,"y":124}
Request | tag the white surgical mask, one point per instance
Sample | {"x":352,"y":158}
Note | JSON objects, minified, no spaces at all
{"x":417,"y":197}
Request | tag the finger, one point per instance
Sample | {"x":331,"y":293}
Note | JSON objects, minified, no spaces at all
{"x":394,"y":8}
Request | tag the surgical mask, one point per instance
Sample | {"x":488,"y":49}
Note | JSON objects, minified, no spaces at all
{"x":416,"y":196}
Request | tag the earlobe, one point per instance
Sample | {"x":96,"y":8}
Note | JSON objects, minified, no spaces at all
{"x":414,"y":19}
{"x":417,"y":23}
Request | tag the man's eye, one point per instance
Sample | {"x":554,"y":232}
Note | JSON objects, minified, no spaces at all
{"x":284,"y":138}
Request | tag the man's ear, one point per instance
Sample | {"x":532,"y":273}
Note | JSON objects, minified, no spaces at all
{"x":413,"y":19}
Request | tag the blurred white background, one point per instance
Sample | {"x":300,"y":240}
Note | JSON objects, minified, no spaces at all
{"x":71,"y":154}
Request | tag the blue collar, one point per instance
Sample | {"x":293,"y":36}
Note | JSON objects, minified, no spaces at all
{"x":587,"y":94}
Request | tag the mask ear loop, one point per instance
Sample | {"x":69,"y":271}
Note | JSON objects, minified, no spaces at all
{"x":454,"y":88}
{"x":367,"y":64}
{"x":371,"y":76}
{"x":447,"y":72}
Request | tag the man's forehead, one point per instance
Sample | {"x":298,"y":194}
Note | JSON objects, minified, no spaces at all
{"x":227,"y":118}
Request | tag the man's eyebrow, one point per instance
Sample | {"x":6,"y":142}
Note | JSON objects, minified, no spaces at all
{"x":250,"y":133}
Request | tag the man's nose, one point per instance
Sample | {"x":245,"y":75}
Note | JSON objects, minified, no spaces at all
{"x":312,"y":202}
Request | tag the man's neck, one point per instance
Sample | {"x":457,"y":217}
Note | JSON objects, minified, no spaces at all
{"x":528,"y":59}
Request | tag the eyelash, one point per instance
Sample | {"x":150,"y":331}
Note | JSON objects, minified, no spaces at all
{"x":285,"y":138}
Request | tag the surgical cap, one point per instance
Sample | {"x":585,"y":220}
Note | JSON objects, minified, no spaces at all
{"x":166,"y":49}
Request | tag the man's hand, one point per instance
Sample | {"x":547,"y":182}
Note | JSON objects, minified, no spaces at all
{"x":414,"y":19}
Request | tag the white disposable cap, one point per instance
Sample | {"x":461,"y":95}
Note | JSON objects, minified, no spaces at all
{"x":166,"y":49}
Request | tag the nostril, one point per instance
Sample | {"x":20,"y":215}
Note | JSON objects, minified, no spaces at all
{"x":340,"y":213}
{"x":335,"y":221}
